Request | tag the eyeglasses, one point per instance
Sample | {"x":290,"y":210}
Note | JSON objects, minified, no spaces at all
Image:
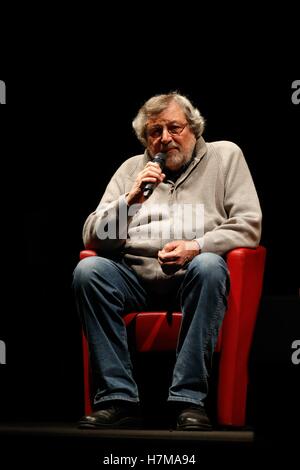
{"x":173,"y":129}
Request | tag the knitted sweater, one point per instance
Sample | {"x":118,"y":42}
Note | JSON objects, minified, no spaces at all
{"x":213,"y":201}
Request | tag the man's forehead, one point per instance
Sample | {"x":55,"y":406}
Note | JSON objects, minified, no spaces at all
{"x":173,"y":112}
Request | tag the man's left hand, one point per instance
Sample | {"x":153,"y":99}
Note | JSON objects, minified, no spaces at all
{"x":178,"y":253}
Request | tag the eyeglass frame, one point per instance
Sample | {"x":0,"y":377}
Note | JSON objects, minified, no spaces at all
{"x":160,"y":129}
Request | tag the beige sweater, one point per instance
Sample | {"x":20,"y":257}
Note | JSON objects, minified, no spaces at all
{"x":214,"y":201}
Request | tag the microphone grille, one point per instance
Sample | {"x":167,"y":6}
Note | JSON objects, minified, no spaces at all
{"x":160,"y":158}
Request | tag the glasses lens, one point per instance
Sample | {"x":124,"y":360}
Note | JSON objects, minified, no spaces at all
{"x":173,"y":129}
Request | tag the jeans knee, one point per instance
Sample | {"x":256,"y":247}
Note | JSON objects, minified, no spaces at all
{"x":209,"y":265}
{"x":87,"y":268}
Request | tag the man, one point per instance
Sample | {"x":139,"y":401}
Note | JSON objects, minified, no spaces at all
{"x":152,"y":247}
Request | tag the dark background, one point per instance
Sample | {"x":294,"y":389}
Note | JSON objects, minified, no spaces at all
{"x":63,"y":133}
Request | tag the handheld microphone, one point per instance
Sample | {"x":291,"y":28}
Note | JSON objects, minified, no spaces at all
{"x":159,"y":158}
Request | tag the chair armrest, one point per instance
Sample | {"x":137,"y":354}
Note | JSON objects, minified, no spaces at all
{"x":246,"y":268}
{"x":86,"y":253}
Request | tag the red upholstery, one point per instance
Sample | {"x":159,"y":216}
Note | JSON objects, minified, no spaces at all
{"x":158,"y":331}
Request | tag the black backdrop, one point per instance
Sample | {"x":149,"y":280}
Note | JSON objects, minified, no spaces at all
{"x":63,"y":134}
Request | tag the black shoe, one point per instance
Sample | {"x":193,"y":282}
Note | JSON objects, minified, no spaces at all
{"x":193,"y":418}
{"x":113,"y":415}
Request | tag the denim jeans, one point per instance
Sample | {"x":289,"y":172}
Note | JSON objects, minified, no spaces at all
{"x":106,"y":289}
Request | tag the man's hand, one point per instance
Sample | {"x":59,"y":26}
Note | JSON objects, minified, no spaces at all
{"x":178,"y":253}
{"x":150,"y":174}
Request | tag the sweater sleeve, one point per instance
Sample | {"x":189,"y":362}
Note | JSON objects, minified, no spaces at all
{"x":242,"y":226}
{"x":105,"y":229}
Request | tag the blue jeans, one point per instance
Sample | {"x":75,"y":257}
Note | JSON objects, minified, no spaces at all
{"x":105,"y":290}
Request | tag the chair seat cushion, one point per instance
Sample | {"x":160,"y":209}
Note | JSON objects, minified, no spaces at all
{"x":157,"y":331}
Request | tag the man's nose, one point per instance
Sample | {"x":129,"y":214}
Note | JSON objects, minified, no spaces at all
{"x":165,"y":135}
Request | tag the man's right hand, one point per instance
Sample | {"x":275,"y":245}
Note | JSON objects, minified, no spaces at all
{"x":152,"y":173}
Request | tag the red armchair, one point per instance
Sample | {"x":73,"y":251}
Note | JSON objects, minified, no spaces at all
{"x":154,"y":332}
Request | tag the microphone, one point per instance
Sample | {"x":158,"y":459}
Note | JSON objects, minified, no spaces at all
{"x":159,"y":158}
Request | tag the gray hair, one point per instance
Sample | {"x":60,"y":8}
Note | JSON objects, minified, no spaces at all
{"x":159,"y":103}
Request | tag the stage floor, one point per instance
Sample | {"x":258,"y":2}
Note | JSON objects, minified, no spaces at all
{"x":43,"y":444}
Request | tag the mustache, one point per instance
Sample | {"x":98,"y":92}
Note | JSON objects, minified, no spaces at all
{"x":169,"y":147}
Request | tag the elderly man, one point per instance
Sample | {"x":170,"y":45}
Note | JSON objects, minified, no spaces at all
{"x":165,"y":243}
